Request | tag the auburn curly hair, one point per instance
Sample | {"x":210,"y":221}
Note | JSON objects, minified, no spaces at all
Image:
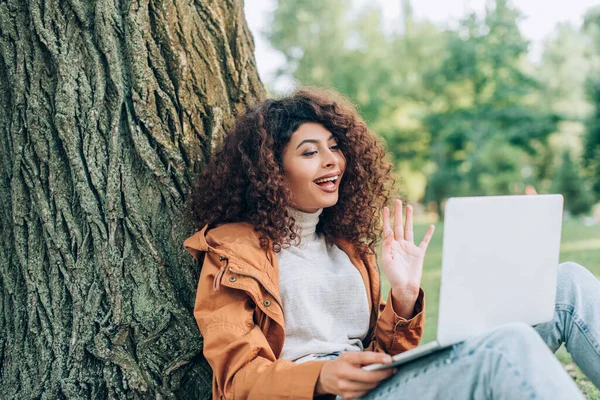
{"x":244,"y":180}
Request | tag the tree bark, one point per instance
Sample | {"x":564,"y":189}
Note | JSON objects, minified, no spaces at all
{"x":108,"y":110}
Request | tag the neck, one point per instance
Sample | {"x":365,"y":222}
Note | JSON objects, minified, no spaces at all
{"x":306,"y":223}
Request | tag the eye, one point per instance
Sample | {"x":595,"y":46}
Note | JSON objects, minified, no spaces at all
{"x":335,"y":147}
{"x":310,"y":153}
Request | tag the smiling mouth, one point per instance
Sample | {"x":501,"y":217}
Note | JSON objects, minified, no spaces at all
{"x":328,"y":183}
{"x":325,"y":180}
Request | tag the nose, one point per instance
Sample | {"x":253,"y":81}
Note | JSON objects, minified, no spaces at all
{"x":330,"y":158}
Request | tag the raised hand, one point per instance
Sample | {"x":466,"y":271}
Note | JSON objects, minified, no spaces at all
{"x":401,"y":259}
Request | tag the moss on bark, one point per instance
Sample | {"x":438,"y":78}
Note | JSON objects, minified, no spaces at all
{"x":108,"y":110}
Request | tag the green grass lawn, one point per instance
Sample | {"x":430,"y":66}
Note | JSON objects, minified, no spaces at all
{"x":579,"y":243}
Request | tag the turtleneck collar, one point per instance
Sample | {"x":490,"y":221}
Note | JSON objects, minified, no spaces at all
{"x":306,"y":223}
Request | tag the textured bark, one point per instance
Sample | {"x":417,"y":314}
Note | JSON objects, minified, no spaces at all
{"x":108,"y":109}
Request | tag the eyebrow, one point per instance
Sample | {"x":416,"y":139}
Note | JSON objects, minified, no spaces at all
{"x":312,"y":141}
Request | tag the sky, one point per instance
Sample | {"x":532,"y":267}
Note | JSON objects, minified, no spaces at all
{"x":540,"y":18}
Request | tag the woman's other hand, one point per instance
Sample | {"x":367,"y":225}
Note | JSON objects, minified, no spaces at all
{"x":402,"y":260}
{"x":345,"y":377}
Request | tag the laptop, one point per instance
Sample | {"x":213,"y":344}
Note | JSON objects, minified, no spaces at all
{"x":499,"y":264}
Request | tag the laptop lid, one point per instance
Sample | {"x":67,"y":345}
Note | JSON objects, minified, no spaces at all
{"x":499,"y":263}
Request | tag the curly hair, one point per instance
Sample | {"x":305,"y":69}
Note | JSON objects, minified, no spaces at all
{"x":244,"y":180}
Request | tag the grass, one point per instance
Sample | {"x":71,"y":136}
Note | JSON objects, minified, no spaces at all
{"x":579,"y":243}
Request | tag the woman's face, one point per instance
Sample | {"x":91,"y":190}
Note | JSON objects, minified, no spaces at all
{"x":311,"y":156}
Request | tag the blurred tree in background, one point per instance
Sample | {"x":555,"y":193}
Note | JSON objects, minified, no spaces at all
{"x":592,"y":139}
{"x":489,"y":136}
{"x":569,"y":182}
{"x":384,"y":73}
{"x":591,"y":152}
{"x":463,"y":110}
{"x":566,"y":63}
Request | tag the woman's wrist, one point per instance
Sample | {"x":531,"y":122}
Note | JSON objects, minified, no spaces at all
{"x":404,"y":300}
{"x":320,"y":386}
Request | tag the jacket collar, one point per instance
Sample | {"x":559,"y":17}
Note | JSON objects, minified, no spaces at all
{"x":237,"y":241}
{"x":240,"y":244}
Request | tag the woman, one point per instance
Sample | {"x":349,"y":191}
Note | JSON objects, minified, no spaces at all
{"x":288,"y":300}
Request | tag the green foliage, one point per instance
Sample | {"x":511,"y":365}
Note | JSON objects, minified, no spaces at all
{"x":462,"y":110}
{"x":487,"y":136}
{"x":591,"y":153}
{"x":566,"y":63}
{"x":330,"y":44}
{"x":569,"y":182}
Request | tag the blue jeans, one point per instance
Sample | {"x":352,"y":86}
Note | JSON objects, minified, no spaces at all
{"x":514,"y":361}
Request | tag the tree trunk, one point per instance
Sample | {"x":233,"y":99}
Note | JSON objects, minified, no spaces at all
{"x":108,"y":110}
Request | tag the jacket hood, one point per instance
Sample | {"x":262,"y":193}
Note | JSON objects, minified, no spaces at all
{"x":237,"y":241}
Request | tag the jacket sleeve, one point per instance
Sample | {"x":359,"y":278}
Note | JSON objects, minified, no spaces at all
{"x":395,"y":334}
{"x":243,"y":363}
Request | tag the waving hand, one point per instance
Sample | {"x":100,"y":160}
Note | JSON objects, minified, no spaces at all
{"x":402,"y":259}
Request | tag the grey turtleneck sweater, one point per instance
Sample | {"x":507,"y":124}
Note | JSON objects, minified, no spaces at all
{"x":325,"y":302}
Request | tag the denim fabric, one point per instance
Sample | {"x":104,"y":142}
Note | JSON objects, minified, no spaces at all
{"x":576,"y":321}
{"x":330,"y":356}
{"x":514,"y":361}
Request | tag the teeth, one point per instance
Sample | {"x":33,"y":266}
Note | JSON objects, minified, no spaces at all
{"x":333,"y":178}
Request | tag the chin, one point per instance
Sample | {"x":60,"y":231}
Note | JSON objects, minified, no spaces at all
{"x":330,"y":203}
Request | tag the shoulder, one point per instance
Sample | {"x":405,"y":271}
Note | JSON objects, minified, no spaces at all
{"x":228,"y":239}
{"x":228,"y":234}
{"x":240,"y":243}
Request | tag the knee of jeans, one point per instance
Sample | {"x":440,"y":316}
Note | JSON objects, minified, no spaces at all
{"x":515,"y":336}
{"x":515,"y":341}
{"x":570,"y":273}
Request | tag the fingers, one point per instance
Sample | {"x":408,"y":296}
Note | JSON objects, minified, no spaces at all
{"x":398,"y":231}
{"x":354,"y":395}
{"x":427,"y":238}
{"x":408,"y":230}
{"x":403,"y":231}
{"x":361,"y":378}
{"x":387,"y":230}
{"x":366,"y":357}
{"x":352,"y":389}
{"x":368,"y":377}
{"x":351,"y":381}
